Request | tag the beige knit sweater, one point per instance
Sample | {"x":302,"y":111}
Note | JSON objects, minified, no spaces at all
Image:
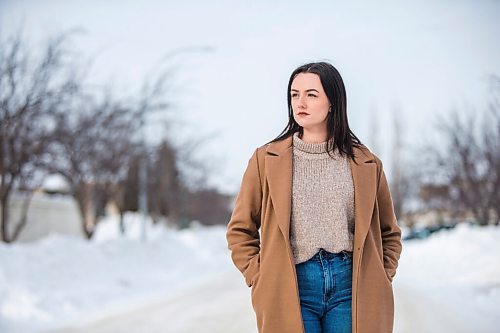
{"x":322,"y":201}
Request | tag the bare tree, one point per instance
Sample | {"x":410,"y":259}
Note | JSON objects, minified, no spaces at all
{"x":93,"y":144}
{"x":51,"y":122}
{"x":30,"y":90}
{"x":491,"y":151}
{"x":471,"y":160}
{"x":96,"y":140}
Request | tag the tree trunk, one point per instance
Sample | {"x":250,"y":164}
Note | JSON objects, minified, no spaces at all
{"x":4,"y":218}
{"x":122,"y":223}
{"x":82,"y":197}
{"x":24,"y":217}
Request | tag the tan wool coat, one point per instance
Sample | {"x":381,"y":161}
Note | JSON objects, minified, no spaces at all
{"x":258,"y":237}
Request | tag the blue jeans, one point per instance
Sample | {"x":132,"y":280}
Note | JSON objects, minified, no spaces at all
{"x":325,"y":291}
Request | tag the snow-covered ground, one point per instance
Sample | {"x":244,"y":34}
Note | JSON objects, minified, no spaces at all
{"x":450,"y":282}
{"x":184,"y":281}
{"x":63,"y":280}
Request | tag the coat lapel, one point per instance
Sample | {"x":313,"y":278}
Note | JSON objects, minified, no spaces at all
{"x":279,"y":176}
{"x":278,"y":168}
{"x":364,"y":175}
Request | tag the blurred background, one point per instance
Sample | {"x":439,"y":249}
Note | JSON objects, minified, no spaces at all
{"x":126,"y":126}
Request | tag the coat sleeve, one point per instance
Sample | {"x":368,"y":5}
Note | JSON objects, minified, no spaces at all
{"x":390,"y":231}
{"x":243,"y":228}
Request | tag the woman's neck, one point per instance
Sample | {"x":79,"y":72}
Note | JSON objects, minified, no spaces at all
{"x":313,"y":137}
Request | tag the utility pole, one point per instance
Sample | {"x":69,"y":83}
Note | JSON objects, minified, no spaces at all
{"x":143,"y":159}
{"x":143,"y":195}
{"x":143,"y":179}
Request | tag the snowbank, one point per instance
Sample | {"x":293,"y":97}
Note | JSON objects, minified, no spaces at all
{"x":449,"y":282}
{"x":61,"y":280}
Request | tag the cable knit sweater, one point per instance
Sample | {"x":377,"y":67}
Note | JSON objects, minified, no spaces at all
{"x":322,"y":201}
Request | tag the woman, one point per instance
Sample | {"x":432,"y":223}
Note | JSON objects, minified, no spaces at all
{"x":313,"y":229}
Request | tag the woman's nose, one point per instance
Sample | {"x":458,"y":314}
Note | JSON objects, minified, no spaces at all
{"x":301,"y":102}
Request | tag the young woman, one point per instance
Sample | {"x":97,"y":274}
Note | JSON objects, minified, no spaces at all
{"x":313,"y":229}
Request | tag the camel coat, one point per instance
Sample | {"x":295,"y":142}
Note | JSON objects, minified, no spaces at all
{"x":258,"y":237}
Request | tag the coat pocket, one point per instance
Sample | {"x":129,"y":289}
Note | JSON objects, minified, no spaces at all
{"x":255,"y":279}
{"x":252,"y":270}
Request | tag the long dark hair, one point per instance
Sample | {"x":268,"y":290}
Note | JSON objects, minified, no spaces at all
{"x":339,"y":135}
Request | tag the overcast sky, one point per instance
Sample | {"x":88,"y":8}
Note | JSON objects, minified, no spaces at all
{"x":423,"y":58}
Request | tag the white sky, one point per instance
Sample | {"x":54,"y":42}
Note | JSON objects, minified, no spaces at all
{"x":423,"y":58}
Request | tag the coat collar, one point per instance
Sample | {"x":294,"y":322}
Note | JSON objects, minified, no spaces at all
{"x":279,"y":159}
{"x":362,"y":154}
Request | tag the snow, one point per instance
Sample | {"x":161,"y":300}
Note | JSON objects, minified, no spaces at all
{"x":56,"y":183}
{"x":449,"y":282}
{"x":61,"y":280}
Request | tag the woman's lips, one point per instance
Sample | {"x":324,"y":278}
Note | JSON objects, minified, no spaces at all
{"x":303,"y":114}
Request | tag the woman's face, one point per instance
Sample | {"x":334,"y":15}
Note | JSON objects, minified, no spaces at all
{"x":309,"y":102}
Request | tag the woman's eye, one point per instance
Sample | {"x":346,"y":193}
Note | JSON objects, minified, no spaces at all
{"x":294,"y":95}
{"x":312,"y":95}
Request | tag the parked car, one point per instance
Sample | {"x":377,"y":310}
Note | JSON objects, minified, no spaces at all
{"x":422,"y":233}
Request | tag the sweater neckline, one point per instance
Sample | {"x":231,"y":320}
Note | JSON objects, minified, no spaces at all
{"x":309,"y":147}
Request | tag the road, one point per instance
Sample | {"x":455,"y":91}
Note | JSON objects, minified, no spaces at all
{"x":221,"y":305}
{"x":224,"y":306}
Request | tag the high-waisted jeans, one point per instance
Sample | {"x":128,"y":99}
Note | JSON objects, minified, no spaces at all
{"x":325,"y":291}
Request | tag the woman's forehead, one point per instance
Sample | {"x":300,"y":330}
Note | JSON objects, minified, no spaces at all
{"x":306,"y":81}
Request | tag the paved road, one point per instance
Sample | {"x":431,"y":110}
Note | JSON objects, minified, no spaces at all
{"x":216,"y":307}
{"x":224,"y":306}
